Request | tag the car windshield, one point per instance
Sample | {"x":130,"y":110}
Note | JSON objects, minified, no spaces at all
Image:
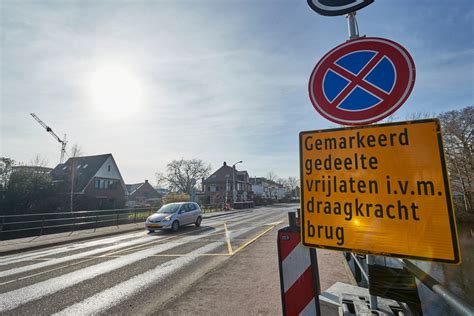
{"x":169,"y":208}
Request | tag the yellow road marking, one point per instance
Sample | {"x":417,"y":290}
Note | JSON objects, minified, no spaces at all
{"x":227,"y":236}
{"x":254,"y":239}
{"x":195,"y":255}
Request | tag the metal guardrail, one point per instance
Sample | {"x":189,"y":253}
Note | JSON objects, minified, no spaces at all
{"x":36,"y":224}
{"x":449,"y":298}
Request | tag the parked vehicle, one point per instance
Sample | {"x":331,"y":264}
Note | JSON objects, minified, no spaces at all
{"x":174,"y":215}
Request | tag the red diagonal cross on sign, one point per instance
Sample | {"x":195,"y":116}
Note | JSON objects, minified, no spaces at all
{"x":358,"y":80}
{"x":364,"y":112}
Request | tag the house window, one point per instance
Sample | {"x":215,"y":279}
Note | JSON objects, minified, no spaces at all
{"x":108,"y":168}
{"x":97,"y":184}
{"x":85,"y":166}
{"x":78,"y":166}
{"x":65,"y":167}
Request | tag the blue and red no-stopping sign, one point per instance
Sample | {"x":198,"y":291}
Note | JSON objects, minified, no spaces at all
{"x":362,"y":81}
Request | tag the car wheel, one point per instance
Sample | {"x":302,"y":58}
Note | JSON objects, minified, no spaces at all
{"x":198,"y":221}
{"x":175,"y":226}
{"x":151,"y":231}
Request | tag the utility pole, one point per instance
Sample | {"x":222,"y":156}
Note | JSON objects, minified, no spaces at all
{"x":226,"y":188}
{"x":234,"y":191}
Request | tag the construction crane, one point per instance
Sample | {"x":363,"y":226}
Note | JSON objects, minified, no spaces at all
{"x":50,"y":130}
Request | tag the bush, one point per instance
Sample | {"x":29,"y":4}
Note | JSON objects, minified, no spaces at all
{"x":176,"y":197}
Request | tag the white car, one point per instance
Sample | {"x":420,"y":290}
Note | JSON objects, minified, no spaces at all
{"x":174,"y":215}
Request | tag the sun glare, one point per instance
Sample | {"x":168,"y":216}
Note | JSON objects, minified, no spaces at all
{"x":115,"y":91}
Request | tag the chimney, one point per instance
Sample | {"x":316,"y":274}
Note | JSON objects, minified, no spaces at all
{"x":146,"y":181}
{"x":225,"y":163}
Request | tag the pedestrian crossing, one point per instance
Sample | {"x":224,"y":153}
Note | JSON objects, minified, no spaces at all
{"x":21,"y":286}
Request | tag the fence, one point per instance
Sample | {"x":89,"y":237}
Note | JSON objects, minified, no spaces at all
{"x":27,"y":225}
{"x":449,"y":298}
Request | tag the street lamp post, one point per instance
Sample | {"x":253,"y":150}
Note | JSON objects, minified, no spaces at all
{"x":234,"y":192}
{"x":227,"y":176}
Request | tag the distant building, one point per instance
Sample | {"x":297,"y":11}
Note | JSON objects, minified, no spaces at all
{"x":268,"y":189}
{"x":162,"y":191}
{"x":97,"y":182}
{"x":141,"y":194}
{"x":218,"y":187}
{"x":260,"y":187}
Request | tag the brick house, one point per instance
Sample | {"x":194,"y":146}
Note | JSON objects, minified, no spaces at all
{"x":141,"y":194}
{"x":97,"y":182}
{"x":218,"y":187}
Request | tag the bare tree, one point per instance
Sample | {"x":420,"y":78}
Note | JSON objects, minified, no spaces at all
{"x":420,"y":115}
{"x":182,"y":174}
{"x":292,"y":184}
{"x":458,"y":129}
{"x":39,"y":161}
{"x":272,"y":176}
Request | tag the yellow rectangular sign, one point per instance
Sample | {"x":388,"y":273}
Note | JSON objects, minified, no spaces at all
{"x":378,"y":189}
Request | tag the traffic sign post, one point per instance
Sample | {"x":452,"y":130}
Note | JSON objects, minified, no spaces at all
{"x":380,"y":189}
{"x":362,"y":81}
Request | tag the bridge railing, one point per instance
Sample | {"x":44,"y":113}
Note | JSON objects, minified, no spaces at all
{"x":37,"y":224}
{"x":456,"y":303}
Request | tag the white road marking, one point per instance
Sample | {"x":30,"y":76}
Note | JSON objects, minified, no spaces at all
{"x":18,"y":297}
{"x":34,"y":255}
{"x":114,"y":295}
{"x":81,"y":255}
{"x":118,"y":293}
{"x":38,"y":290}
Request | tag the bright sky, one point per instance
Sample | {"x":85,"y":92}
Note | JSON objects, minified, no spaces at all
{"x":218,"y":80}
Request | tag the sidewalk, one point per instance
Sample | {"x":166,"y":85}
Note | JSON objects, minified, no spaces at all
{"x":248,"y":283}
{"x":13,"y":246}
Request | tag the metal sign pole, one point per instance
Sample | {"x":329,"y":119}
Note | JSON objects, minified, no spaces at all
{"x":353,"y":34}
{"x":352,"y":25}
{"x":372,"y":298}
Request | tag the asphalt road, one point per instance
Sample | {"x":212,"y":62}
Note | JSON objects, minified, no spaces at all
{"x":132,"y":273}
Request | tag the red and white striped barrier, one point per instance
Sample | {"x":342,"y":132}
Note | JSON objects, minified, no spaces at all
{"x":298,"y":275}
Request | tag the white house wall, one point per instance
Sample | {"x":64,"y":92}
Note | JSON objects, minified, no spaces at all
{"x":114,"y":173}
{"x":105,"y":173}
{"x":257,"y":189}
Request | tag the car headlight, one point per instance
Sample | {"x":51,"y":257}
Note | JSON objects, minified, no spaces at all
{"x":167,"y":218}
{"x":147,"y":219}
